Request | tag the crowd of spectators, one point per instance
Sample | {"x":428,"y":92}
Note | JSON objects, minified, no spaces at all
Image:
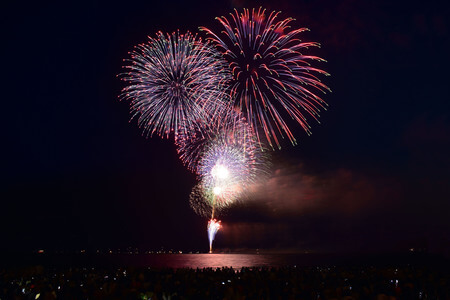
{"x":225,"y":283}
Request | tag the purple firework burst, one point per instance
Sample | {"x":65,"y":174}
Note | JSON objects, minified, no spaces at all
{"x":175,"y":84}
{"x":229,"y":164}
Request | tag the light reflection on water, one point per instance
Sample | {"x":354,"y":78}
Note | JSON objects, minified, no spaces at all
{"x":204,"y":260}
{"x":236,"y":261}
{"x":212,"y":260}
{"x":199,"y":260}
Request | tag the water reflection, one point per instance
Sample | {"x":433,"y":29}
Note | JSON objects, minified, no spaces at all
{"x":213,"y":260}
{"x":238,"y":261}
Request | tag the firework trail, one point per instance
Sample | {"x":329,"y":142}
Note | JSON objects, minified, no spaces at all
{"x":272,"y":79}
{"x":175,"y":84}
{"x":213,"y":227}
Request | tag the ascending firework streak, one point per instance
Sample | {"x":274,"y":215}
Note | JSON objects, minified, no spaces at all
{"x":273,"y":80}
{"x":213,"y":227}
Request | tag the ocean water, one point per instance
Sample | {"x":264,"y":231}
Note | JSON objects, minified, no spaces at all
{"x":210,"y":260}
{"x":206,"y":260}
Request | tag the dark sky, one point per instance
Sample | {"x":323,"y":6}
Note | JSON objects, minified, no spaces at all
{"x":76,"y":173}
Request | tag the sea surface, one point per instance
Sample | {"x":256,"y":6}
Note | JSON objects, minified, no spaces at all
{"x":212,"y":260}
{"x":206,"y":260}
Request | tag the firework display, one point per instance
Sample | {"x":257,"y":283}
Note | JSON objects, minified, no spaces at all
{"x":231,"y":161}
{"x":175,"y":84}
{"x":227,"y":167}
{"x":273,"y":80}
{"x":230,"y":126}
{"x":225,"y":99}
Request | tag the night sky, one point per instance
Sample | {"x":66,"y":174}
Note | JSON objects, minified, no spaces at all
{"x":77,"y":174}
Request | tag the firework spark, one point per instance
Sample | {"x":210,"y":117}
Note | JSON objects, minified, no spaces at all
{"x":229,"y":164}
{"x":175,"y":84}
{"x":213,"y":227}
{"x":201,"y":201}
{"x":272,"y":79}
{"x":228,"y":127}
